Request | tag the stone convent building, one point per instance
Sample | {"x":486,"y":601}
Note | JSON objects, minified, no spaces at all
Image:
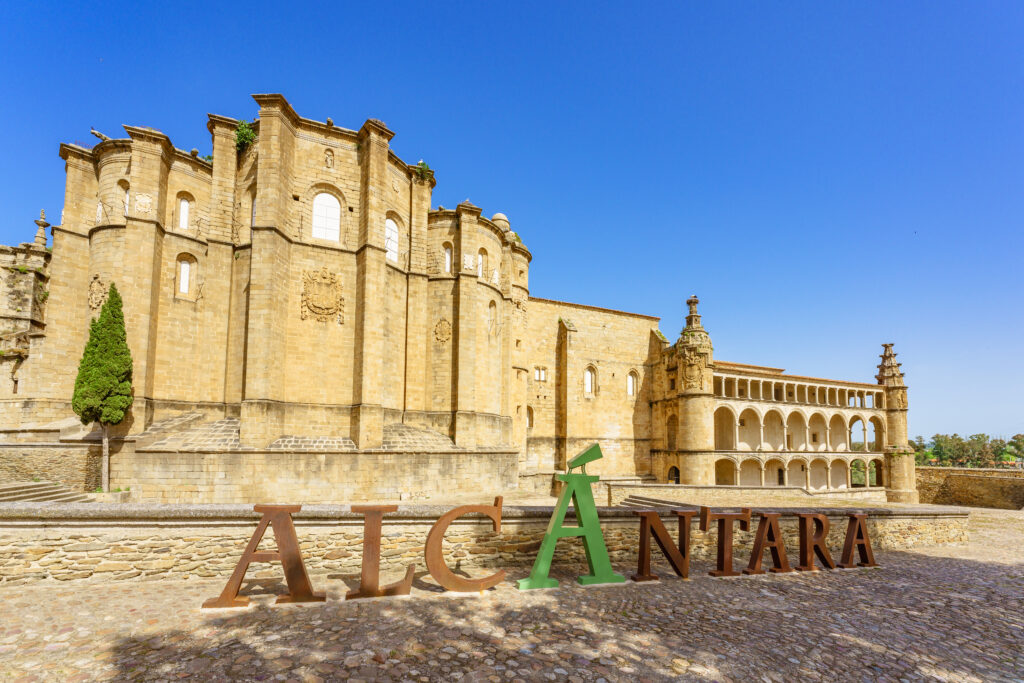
{"x":305,"y":327}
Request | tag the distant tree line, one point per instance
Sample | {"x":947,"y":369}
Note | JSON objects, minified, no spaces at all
{"x":978,"y":450}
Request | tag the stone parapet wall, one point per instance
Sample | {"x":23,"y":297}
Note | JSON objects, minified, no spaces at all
{"x":77,"y":466}
{"x":315,"y":476}
{"x":613,"y":494}
{"x":89,"y":542}
{"x":974,"y":487}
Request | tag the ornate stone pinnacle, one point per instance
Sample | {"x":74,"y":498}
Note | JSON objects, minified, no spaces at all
{"x":889,"y":373}
{"x":41,"y":231}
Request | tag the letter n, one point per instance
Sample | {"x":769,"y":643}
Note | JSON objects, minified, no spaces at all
{"x":857,"y":537}
{"x":678,"y":557}
{"x":279,"y":517}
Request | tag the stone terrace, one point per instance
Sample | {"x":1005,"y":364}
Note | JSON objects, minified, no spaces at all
{"x":943,"y":613}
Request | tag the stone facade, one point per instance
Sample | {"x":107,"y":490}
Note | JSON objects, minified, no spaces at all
{"x":113,"y":542}
{"x":971,"y":486}
{"x":301,"y":295}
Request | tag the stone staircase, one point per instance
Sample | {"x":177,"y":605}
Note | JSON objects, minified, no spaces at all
{"x":39,"y":492}
{"x":645,"y":503}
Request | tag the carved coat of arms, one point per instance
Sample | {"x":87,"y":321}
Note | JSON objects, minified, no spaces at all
{"x":97,"y":293}
{"x":321,"y":296}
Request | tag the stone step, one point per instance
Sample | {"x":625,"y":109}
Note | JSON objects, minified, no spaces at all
{"x":39,"y":492}
{"x":19,"y":487}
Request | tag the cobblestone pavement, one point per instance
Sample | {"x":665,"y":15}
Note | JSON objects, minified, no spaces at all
{"x":953,"y":613}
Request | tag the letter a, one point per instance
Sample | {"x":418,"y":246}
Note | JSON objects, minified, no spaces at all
{"x":279,"y":517}
{"x":768,"y":535}
{"x":369,"y":578}
{"x":577,"y":491}
{"x":857,"y":537}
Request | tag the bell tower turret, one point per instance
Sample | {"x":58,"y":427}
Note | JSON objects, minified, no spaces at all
{"x":902,"y":481}
{"x":696,"y":401}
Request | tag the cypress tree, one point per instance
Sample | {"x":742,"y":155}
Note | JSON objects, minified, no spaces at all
{"x":103,"y":388}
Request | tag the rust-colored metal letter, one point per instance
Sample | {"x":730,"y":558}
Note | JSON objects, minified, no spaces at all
{"x":678,"y":557}
{"x":768,"y":535}
{"x":725,"y":520}
{"x":444,"y":576}
{"x":369,"y":579}
{"x":279,"y":517}
{"x":857,"y":537}
{"x":812,"y":544}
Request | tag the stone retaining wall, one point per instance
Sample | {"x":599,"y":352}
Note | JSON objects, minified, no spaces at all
{"x":77,"y":466}
{"x":614,"y":494}
{"x":85,"y":542}
{"x":311,"y":476}
{"x":974,"y":487}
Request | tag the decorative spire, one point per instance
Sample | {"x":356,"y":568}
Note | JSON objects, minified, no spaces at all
{"x":693,"y":319}
{"x":41,"y":231}
{"x":889,"y":373}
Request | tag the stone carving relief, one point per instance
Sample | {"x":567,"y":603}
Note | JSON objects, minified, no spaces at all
{"x":901,"y":399}
{"x":468,"y":262}
{"x":143,"y":204}
{"x":321,"y":296}
{"x":443,"y":330}
{"x":328,"y":159}
{"x":495,"y":277}
{"x":97,"y":293}
{"x":696,"y":373}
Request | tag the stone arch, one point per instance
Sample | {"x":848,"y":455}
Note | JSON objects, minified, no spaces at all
{"x":858,"y":473}
{"x":819,"y":474}
{"x":725,"y":472}
{"x":773,"y":430}
{"x":796,"y":472}
{"x":671,"y":432}
{"x":796,"y":431}
{"x":855,"y":430}
{"x":725,"y":432}
{"x":838,"y":436}
{"x":818,"y":428}
{"x":673,"y":475}
{"x":876,"y":434}
{"x":749,"y":430}
{"x":750,"y":472}
{"x":838,"y":475}
{"x":774,"y":472}
{"x":876,"y":472}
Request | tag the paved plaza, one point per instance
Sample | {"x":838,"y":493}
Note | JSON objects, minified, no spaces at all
{"x":943,"y":613}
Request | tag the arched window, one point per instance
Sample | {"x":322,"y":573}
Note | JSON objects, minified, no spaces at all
{"x":481,"y":263}
{"x":326,"y":217}
{"x":673,"y":475}
{"x":631,"y":383}
{"x":391,"y":240}
{"x":185,"y":286}
{"x":183,"y":209}
{"x":529,"y":417}
{"x":447,"y":258}
{"x":252,"y":210}
{"x":589,"y":381}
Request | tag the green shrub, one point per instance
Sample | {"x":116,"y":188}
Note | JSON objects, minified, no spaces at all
{"x":245,"y":135}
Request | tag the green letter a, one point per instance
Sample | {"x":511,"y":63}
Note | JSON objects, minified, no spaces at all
{"x":576,"y":490}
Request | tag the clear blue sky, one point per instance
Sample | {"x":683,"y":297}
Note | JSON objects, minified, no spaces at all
{"x":826,"y":176}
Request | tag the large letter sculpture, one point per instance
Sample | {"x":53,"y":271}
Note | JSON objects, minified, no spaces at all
{"x":577,"y":491}
{"x":725,"y":520}
{"x":279,"y":517}
{"x":768,"y":536}
{"x":857,"y":539}
{"x":679,"y":558}
{"x":369,"y":579}
{"x":812,"y":542}
{"x":444,"y":576}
